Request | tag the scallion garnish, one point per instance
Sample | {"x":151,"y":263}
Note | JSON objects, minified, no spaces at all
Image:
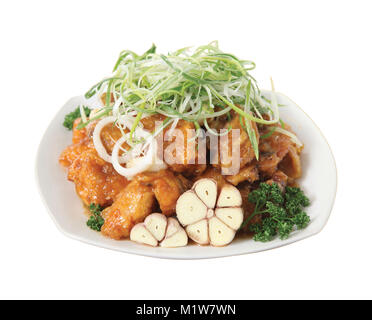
{"x":190,"y":85}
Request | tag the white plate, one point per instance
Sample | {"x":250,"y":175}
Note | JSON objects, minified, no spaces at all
{"x":319,"y":182}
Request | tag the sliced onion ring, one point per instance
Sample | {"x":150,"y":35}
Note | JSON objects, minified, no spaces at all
{"x":141,"y":163}
{"x":148,"y":162}
{"x":98,"y":143}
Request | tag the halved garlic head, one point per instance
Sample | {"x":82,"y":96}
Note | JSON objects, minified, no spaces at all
{"x":158,"y":230}
{"x":140,"y":234}
{"x":156,"y":223}
{"x":205,"y":223}
{"x":192,"y":207}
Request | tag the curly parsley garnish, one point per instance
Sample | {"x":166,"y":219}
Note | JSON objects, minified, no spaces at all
{"x":280,"y":212}
{"x":95,"y":221}
{"x":72,"y":116}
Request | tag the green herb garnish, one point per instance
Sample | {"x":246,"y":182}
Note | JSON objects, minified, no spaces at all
{"x":72,"y":116}
{"x":95,"y":221}
{"x":280,"y":212}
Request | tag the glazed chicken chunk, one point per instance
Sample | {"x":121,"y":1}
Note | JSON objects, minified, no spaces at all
{"x":95,"y":180}
{"x":167,"y":188}
{"x":274,"y":148}
{"x":243,"y":142}
{"x":137,"y":201}
{"x":132,"y":206}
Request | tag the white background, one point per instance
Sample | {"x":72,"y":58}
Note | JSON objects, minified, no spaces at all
{"x":319,"y":54}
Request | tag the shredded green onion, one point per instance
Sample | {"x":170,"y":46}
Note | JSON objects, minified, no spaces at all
{"x":193,"y":85}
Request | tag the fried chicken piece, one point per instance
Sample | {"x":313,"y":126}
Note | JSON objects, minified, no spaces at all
{"x":272,"y":150}
{"x":137,"y":201}
{"x":291,"y":163}
{"x":268,"y":164}
{"x":218,"y":123}
{"x":213,"y":173}
{"x":80,"y":143}
{"x":248,"y":173}
{"x":167,"y":188}
{"x":73,"y":152}
{"x":243,"y":143}
{"x":150,"y":123}
{"x":280,"y":178}
{"x":95,"y":180}
{"x":109,"y":135}
{"x":186,"y":160}
{"x":131,"y":206}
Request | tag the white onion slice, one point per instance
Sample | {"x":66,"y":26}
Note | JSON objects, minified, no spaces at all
{"x":140,"y":163}
{"x":115,"y":108}
{"x":98,"y":143}
{"x":148,"y":162}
